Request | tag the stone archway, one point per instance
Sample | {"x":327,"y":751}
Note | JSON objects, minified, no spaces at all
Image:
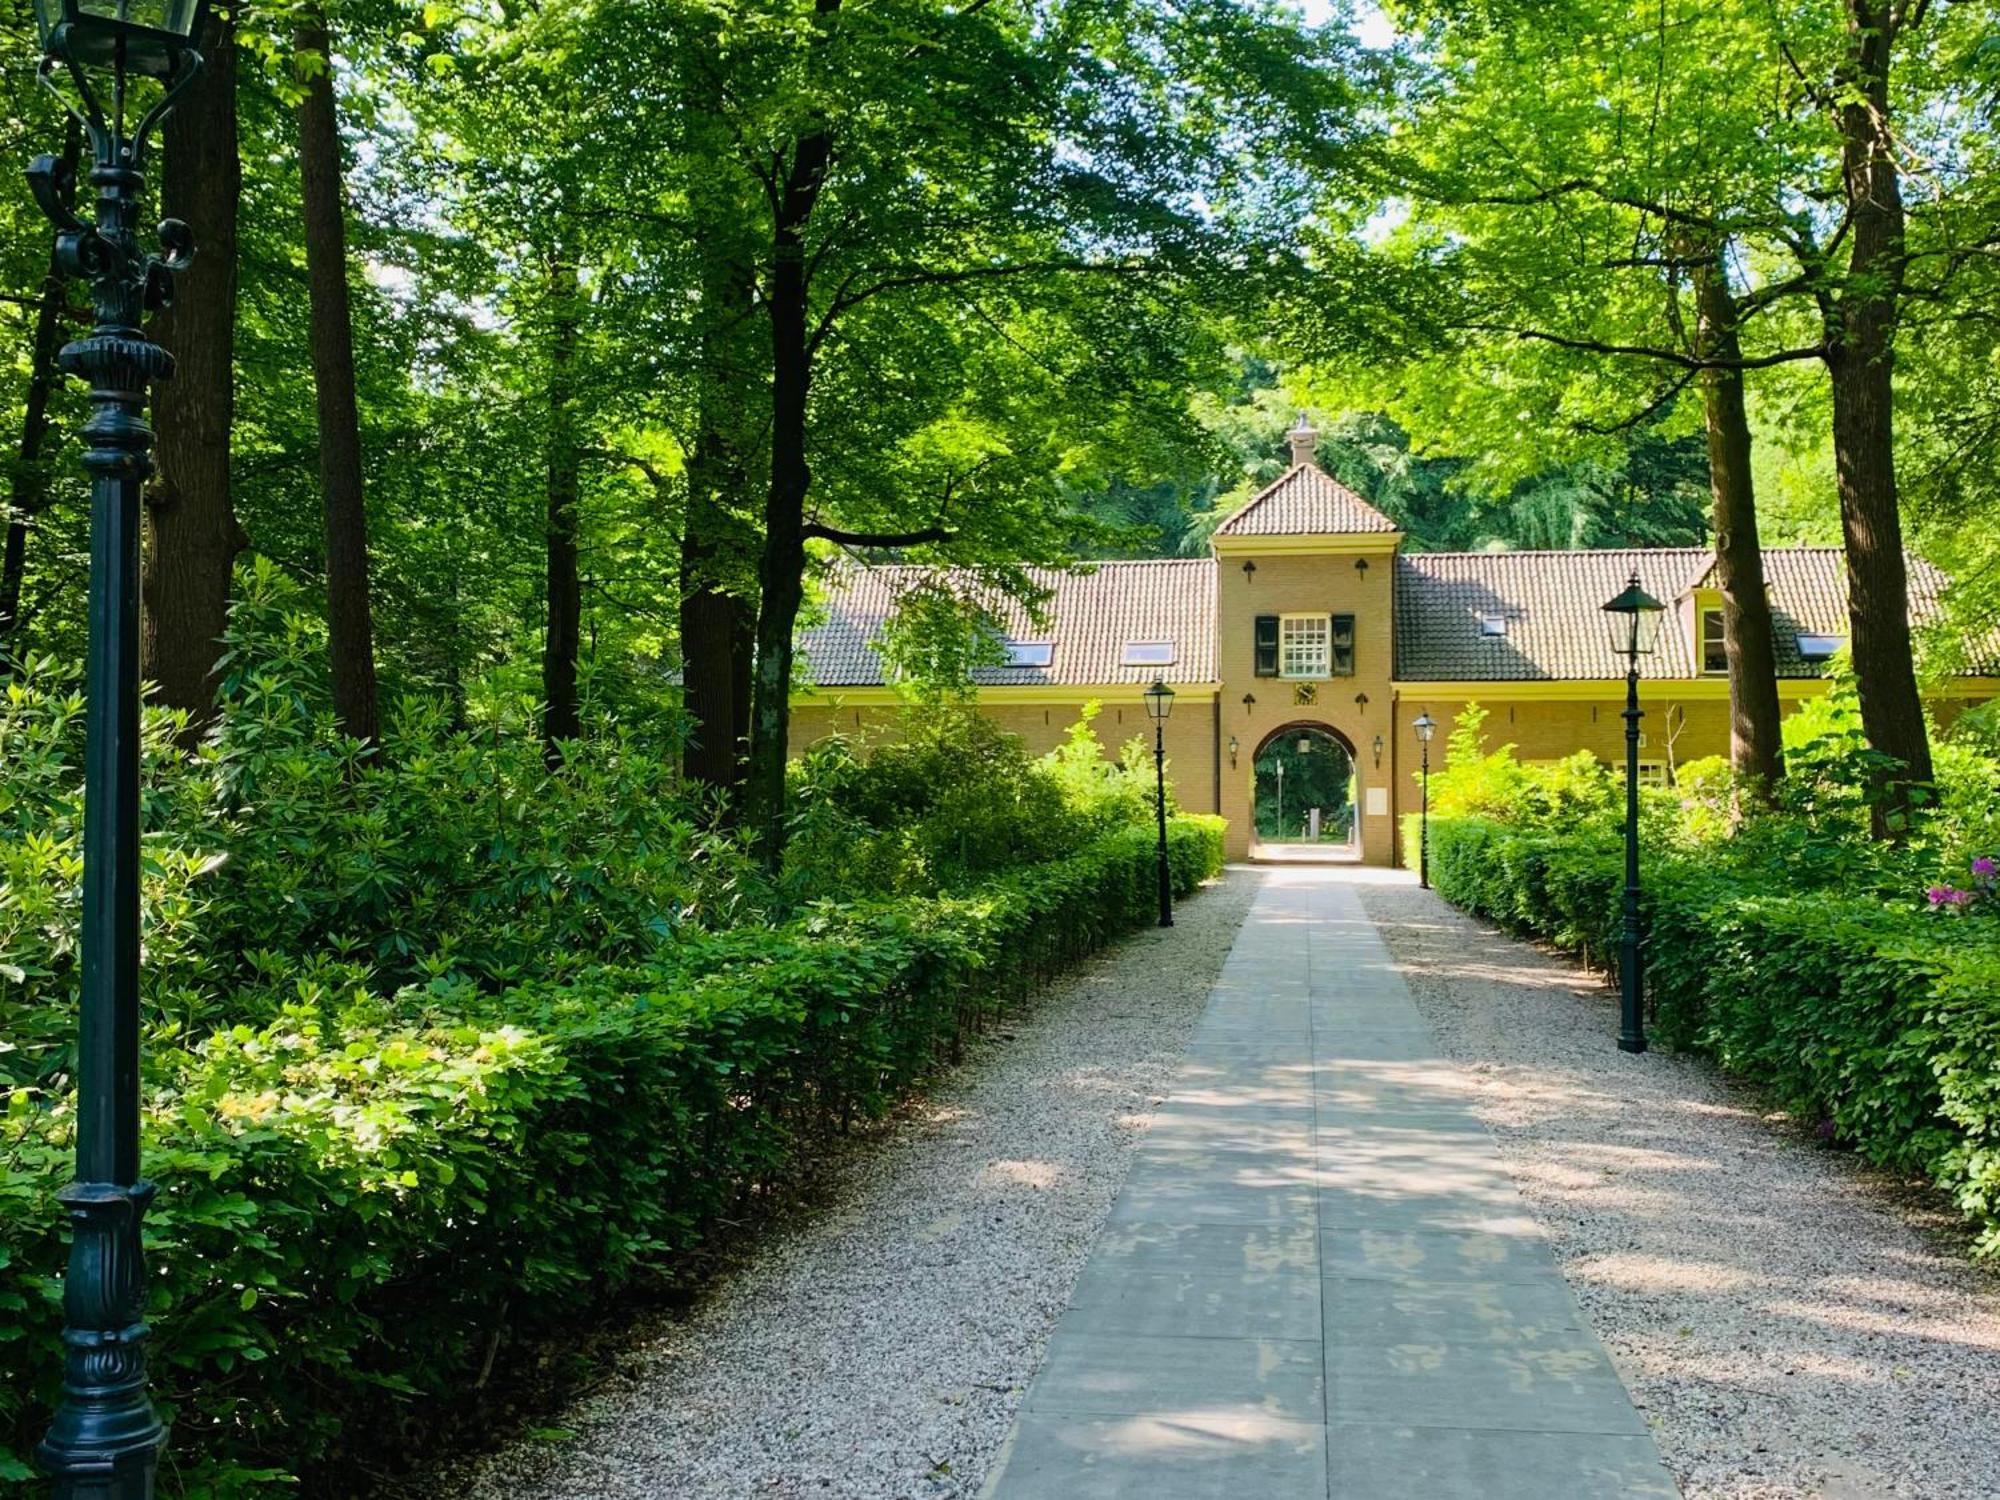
{"x":1307,"y":783}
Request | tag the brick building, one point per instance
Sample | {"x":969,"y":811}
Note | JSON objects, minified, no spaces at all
{"x":1304,"y":647}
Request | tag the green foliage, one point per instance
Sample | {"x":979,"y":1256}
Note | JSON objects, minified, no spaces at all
{"x":1787,"y":944}
{"x":443,"y":1049}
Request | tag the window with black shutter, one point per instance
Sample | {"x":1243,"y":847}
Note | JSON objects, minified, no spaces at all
{"x":1267,"y":645}
{"x":1343,"y":645}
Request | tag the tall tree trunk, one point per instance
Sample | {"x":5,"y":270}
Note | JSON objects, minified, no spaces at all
{"x":1755,"y":747}
{"x":350,"y":619}
{"x":561,"y":716}
{"x":192,"y":536}
{"x":1861,"y":358}
{"x":781,"y":570}
{"x":717,"y":616}
{"x":28,"y":487}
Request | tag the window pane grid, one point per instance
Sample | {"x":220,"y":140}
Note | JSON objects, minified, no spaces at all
{"x":1303,"y":645}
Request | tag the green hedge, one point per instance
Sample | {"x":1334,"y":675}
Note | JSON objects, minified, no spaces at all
{"x":1880,"y":1023}
{"x":353,"y":1209}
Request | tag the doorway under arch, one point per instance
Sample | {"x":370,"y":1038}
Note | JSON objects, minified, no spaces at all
{"x":1306,"y":791}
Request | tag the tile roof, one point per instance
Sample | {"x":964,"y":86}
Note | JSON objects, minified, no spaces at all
{"x":1553,"y":605}
{"x":1306,"y":501}
{"x":1091,"y":618}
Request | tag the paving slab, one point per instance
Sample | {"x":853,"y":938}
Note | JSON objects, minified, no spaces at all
{"x":1319,"y":1280}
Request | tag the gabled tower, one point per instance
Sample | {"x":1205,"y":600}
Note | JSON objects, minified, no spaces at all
{"x":1304,"y":619}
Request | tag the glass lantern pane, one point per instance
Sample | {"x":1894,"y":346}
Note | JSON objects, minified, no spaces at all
{"x":175,"y":17}
{"x":1649,"y":629}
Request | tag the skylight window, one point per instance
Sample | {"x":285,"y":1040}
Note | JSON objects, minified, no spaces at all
{"x":1492,"y":624}
{"x":1030,"y":653}
{"x":1820,"y":647}
{"x":1148,"y":654}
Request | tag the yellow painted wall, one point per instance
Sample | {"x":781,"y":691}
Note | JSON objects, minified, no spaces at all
{"x":1256,"y":708}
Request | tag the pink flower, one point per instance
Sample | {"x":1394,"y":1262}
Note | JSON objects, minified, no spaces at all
{"x":1947,"y":895}
{"x":1983,"y":866}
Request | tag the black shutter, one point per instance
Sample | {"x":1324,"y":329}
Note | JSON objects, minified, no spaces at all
{"x":1267,"y":645}
{"x":1343,"y":645}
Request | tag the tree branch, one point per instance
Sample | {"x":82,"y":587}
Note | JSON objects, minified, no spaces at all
{"x":847,"y":300}
{"x":820,"y":531}
{"x":1669,"y":356}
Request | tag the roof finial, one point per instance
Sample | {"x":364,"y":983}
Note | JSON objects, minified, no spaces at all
{"x":1304,"y":438}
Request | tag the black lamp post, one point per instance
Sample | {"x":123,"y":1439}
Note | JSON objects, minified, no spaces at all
{"x":1159,"y":703}
{"x":1634,"y":620}
{"x":1425,"y":727}
{"x":105,"y":1441}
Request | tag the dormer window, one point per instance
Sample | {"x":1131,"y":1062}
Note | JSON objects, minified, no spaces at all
{"x":1030,"y":653}
{"x":1148,"y":654}
{"x":1818,"y":648}
{"x":1714,"y":644}
{"x":1493,"y":625}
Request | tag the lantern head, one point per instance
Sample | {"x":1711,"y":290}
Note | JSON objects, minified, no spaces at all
{"x":1159,"y":700}
{"x":149,"y":37}
{"x":1633,"y":619}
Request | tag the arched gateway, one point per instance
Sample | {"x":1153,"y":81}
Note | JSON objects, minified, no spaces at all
{"x":1306,"y":789}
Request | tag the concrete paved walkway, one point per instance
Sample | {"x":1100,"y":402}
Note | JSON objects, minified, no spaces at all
{"x":1319,"y":1279}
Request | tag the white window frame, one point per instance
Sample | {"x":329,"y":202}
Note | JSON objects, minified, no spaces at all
{"x":1297,"y":661}
{"x":1492,"y":626}
{"x":1149,"y":654}
{"x":1702,"y":638}
{"x":1033,"y":655}
{"x":1655,"y":773}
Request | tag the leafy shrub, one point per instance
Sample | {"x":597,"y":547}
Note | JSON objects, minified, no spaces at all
{"x":443,"y":1049}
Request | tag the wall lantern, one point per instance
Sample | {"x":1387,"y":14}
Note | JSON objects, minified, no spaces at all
{"x":1378,"y":750}
{"x":1232,"y":752}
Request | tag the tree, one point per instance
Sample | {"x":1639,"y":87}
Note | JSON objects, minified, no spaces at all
{"x":1755,"y":747}
{"x":192,"y":535}
{"x":28,"y":486}
{"x":561,"y":713}
{"x":350,"y":617}
{"x":928,"y":179}
{"x":1697,"y":142}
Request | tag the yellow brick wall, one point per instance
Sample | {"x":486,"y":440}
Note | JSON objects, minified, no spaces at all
{"x":1286,"y":583}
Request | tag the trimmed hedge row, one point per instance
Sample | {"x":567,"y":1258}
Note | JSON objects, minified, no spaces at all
{"x":1879,"y":1023}
{"x":356,"y":1209}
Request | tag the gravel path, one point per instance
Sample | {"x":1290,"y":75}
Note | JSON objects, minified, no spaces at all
{"x":878,"y":1349}
{"x":1780,"y":1313}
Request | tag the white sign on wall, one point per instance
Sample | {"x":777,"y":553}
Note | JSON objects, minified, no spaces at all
{"x":1378,"y":802}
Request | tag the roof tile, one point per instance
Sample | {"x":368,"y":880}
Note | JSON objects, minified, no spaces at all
{"x":1306,"y":501}
{"x":1092,"y":617}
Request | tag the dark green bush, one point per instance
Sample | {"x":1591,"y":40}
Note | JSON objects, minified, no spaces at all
{"x":350,"y":1212}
